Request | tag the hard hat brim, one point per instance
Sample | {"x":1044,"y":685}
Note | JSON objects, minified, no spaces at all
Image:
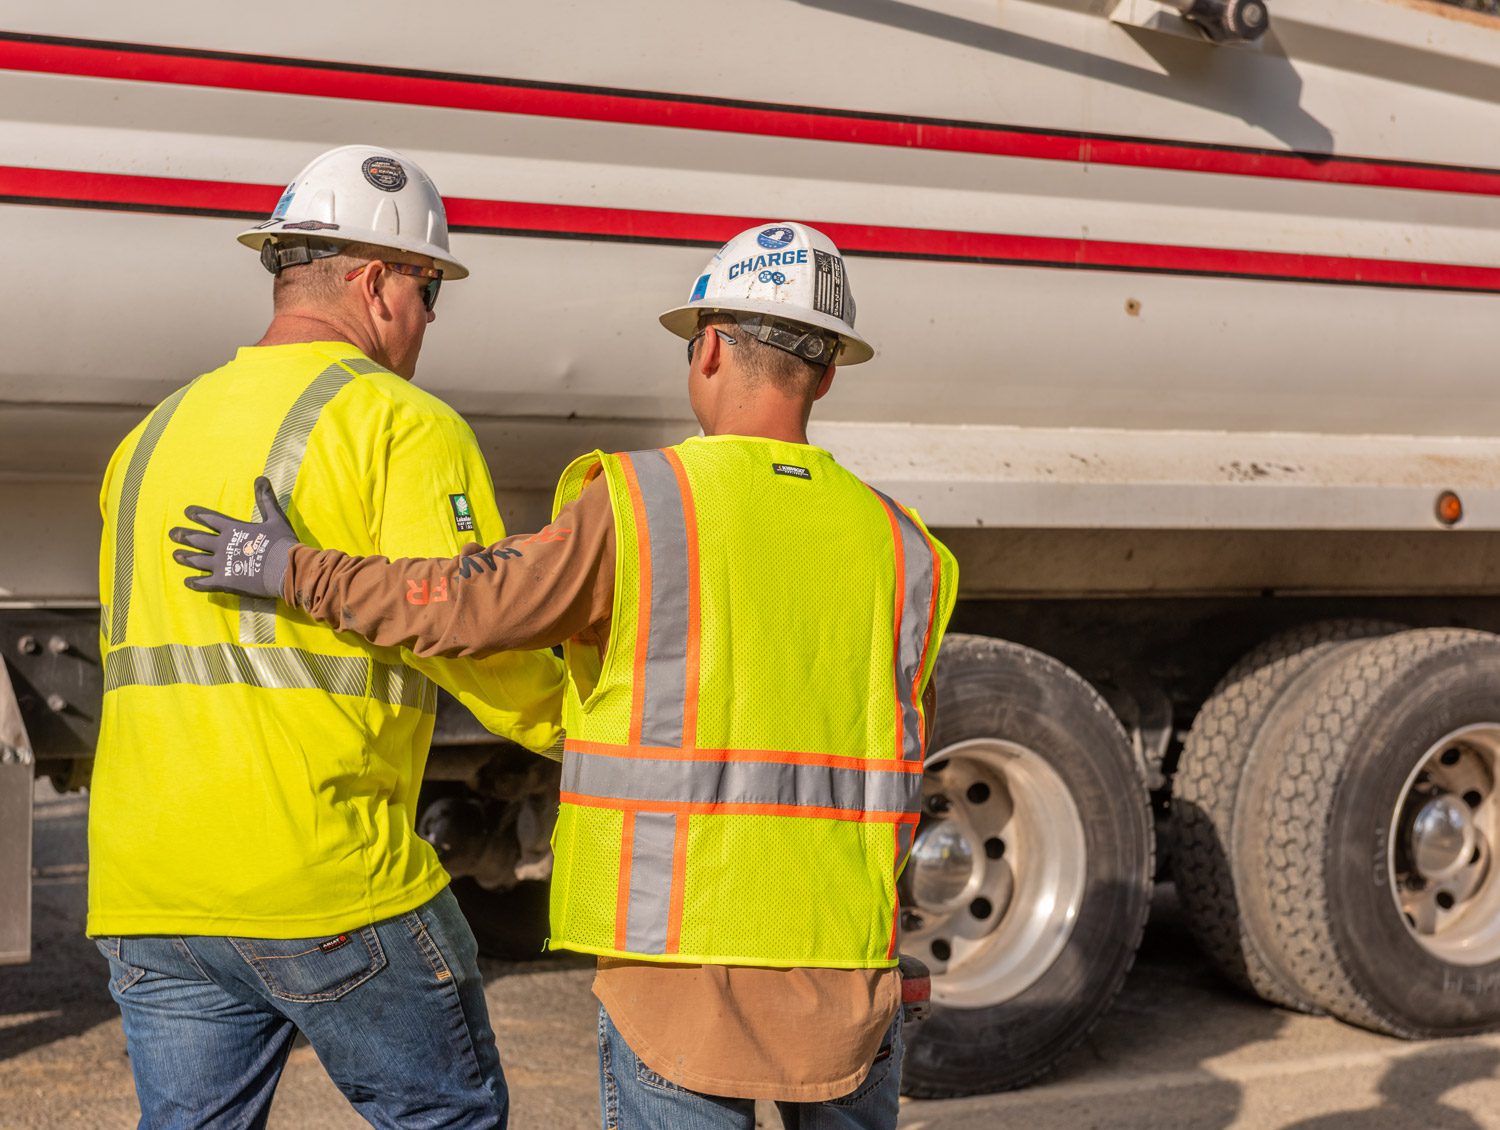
{"x":452,"y":269}
{"x":683,"y":321}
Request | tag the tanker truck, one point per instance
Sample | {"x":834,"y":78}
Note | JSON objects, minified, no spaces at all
{"x":1185,"y":317}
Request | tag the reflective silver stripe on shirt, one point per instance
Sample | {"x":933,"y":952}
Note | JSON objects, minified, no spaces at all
{"x":363,"y":365}
{"x":739,"y":782}
{"x":650,"y":898}
{"x":288,"y":448}
{"x":912,"y":632}
{"x":401,"y":686}
{"x":130,"y":492}
{"x":665,"y":690}
{"x":269,"y":668}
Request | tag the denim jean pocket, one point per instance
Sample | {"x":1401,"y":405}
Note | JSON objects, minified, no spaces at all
{"x":305,"y":970}
{"x":121,"y":973}
{"x":645,"y":1076}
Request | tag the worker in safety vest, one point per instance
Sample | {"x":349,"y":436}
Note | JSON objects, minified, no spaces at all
{"x":253,"y":866}
{"x":749,"y":634}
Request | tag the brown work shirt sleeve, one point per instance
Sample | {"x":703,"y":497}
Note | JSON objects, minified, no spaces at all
{"x":523,"y":592}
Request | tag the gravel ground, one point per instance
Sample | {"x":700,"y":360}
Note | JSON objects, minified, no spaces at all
{"x":1178,"y":1050}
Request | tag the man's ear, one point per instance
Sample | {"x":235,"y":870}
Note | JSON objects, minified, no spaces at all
{"x":825,"y":384}
{"x":371,"y":284}
{"x":709,"y":353}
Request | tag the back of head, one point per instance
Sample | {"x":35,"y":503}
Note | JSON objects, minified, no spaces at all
{"x":762,"y":364}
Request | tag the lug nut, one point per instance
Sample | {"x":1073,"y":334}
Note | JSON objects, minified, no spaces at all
{"x":56,"y":703}
{"x":57,"y":645}
{"x":938,"y":804}
{"x":27,"y":645}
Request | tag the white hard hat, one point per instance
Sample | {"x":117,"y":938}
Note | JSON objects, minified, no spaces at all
{"x":360,"y":194}
{"x":784,"y":271}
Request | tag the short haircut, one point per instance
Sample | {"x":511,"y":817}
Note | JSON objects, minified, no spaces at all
{"x":766,"y":364}
{"x":322,"y":281}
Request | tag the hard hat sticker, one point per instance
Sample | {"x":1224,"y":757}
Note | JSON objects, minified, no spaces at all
{"x":285,"y":202}
{"x":700,"y":288}
{"x":775,"y":259}
{"x":772,"y":238}
{"x":310,"y":225}
{"x":828,"y":284}
{"x":385,"y":173}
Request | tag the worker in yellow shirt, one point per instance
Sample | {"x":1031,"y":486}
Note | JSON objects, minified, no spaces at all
{"x":749,"y":634}
{"x":254,"y":869}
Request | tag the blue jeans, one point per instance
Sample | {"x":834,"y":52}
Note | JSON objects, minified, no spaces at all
{"x":395,"y":1011}
{"x":633,"y":1097}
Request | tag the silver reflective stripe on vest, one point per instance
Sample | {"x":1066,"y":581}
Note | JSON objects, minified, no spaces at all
{"x":288,"y":448}
{"x":739,"y":782}
{"x":268,"y":668}
{"x":904,"y":834}
{"x":666,"y":638}
{"x":912,"y":632}
{"x":650,"y":899}
{"x":130,"y":492}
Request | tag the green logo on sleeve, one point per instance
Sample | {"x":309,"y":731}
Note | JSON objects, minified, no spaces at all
{"x":463,"y":517}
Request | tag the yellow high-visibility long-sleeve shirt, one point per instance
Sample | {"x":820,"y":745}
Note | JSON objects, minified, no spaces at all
{"x":257,"y":775}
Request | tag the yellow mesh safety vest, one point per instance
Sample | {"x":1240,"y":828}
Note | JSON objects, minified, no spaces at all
{"x":743,"y":765}
{"x":257,"y":774}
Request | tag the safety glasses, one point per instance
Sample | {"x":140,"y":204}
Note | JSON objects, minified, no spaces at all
{"x":728,"y":339}
{"x":430,"y":290}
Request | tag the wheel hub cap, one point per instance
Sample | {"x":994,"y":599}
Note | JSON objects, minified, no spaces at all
{"x":1442,"y":837}
{"x":942,"y":863}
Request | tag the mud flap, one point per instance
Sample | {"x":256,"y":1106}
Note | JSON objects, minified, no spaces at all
{"x":16,"y":763}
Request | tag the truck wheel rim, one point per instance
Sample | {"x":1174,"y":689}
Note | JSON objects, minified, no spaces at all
{"x":996,"y":875}
{"x":1439,"y":858}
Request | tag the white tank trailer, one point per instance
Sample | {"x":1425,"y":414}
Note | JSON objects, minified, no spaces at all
{"x":1187,"y":325}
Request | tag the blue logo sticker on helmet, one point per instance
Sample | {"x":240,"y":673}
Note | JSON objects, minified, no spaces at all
{"x":285,"y":202}
{"x":772,"y":277}
{"x":772,"y":238}
{"x":700,"y":288}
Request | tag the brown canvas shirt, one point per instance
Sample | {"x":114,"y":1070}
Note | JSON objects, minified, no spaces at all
{"x":794,"y":1035}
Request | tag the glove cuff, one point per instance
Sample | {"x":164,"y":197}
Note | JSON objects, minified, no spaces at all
{"x":278,"y":560}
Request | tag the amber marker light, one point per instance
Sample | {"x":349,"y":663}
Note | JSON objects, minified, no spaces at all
{"x":1450,"y":508}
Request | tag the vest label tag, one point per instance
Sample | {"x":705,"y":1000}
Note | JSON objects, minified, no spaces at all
{"x":791,"y":469}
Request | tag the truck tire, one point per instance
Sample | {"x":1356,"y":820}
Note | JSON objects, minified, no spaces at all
{"x":1377,"y":855}
{"x":1206,"y":793}
{"x":1031,"y":873}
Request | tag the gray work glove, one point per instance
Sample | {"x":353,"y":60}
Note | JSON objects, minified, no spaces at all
{"x":241,"y":556}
